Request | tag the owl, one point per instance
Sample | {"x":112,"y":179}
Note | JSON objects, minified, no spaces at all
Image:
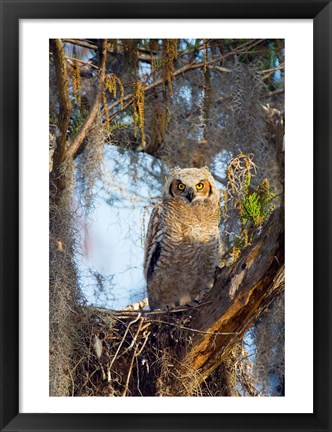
{"x":183,"y":240}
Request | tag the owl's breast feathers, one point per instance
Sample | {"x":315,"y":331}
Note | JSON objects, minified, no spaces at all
{"x":175,"y":225}
{"x":198,"y":221}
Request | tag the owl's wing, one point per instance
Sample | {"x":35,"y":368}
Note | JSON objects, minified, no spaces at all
{"x":152,"y":242}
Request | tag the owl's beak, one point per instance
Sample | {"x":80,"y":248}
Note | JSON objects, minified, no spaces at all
{"x":190,"y":195}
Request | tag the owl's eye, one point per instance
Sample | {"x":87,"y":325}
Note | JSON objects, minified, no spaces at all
{"x":181,"y":186}
{"x":199,"y":186}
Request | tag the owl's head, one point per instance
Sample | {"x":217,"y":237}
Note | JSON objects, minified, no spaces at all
{"x":190,"y":184}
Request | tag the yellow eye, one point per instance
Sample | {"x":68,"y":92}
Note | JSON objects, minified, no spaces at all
{"x":181,"y":186}
{"x":199,"y":186}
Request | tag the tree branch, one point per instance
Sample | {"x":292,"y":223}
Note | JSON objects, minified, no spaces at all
{"x":187,"y":68}
{"x":275,"y":93}
{"x":144,"y":57}
{"x":95,"y":106}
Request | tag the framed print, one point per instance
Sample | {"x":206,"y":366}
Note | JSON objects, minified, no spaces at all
{"x":172,"y":271}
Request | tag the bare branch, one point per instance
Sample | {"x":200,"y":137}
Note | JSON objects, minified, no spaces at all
{"x":276,"y":92}
{"x":138,"y":305}
{"x":269,"y":72}
{"x":144,"y":56}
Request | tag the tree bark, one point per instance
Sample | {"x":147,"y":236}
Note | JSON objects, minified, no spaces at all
{"x":58,"y":180}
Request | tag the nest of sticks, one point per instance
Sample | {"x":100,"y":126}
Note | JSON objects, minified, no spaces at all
{"x":130,"y":353}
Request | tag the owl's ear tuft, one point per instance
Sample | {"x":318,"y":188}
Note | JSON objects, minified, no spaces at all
{"x":174,"y":171}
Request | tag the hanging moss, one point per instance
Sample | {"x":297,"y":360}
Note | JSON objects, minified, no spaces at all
{"x":107,"y":119}
{"x":169,"y":55}
{"x":114,"y":85}
{"x":138,"y":111}
{"x":159,"y":122}
{"x":76,"y":82}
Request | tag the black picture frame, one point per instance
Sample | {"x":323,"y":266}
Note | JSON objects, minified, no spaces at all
{"x":11,"y":12}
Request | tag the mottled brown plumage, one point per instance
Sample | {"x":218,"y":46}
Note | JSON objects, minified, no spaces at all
{"x":182,"y":243}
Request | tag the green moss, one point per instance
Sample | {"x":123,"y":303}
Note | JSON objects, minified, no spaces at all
{"x":257,"y":204}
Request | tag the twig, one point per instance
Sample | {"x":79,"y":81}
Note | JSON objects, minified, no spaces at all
{"x":132,"y":359}
{"x":271,"y":71}
{"x":276,"y":92}
{"x":146,"y":337}
{"x":129,"y":374}
{"x":87,"y":63}
{"x":123,"y":338}
{"x":135,"y":337}
{"x":194,"y":330}
{"x":138,"y":382}
{"x":138,"y":305}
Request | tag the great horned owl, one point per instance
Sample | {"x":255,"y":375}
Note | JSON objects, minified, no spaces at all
{"x":182,"y":242}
